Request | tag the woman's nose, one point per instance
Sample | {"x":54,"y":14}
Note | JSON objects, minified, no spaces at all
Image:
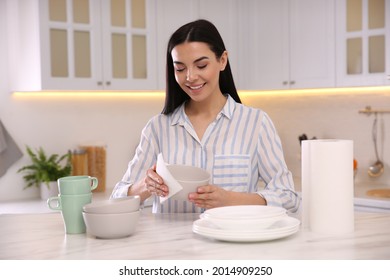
{"x":191,"y":75}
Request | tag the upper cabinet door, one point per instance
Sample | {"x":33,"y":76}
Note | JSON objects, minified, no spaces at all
{"x":170,"y":15}
{"x":129,"y":52}
{"x":263,"y":44}
{"x":363,"y":42}
{"x":287,"y":44}
{"x":312,"y":43}
{"x":83,"y":44}
{"x":70,"y":43}
{"x":224,"y":15}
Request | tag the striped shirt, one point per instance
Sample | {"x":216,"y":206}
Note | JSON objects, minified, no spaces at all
{"x":241,"y":150}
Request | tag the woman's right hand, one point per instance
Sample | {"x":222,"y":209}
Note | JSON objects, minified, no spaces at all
{"x":154,"y":183}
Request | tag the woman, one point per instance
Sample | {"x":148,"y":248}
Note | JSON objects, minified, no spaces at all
{"x":204,"y":124}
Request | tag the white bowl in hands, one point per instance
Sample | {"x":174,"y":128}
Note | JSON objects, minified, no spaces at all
{"x":189,"y":177}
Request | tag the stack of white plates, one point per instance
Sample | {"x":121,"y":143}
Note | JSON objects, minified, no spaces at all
{"x":246,"y":223}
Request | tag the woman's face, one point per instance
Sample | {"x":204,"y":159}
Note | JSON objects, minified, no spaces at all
{"x":197,"y":69}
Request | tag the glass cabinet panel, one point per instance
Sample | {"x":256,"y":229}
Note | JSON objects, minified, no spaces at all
{"x":119,"y":56}
{"x":376,"y":57}
{"x":138,"y":14}
{"x":57,"y":10}
{"x":82,"y":54}
{"x":118,"y":13}
{"x":354,"y":15}
{"x":139,"y":57}
{"x":81,"y":11}
{"x":376,"y":14}
{"x":354,"y":56}
{"x":59,"y":53}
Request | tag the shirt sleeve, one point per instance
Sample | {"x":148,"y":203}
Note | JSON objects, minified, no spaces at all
{"x":279,"y":189}
{"x":144,"y":158}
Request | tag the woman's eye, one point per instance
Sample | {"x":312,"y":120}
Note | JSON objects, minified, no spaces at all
{"x":202,"y":66}
{"x":179,"y":69}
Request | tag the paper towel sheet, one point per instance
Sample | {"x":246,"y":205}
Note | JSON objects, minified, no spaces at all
{"x":327,"y":186}
{"x":173,"y":185}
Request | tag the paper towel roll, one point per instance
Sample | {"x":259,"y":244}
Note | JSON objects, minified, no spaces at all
{"x":327,"y":186}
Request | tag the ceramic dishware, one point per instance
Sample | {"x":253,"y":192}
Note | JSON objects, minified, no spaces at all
{"x":109,"y":226}
{"x":114,"y":206}
{"x":280,"y":229}
{"x":247,"y":217}
{"x":189,"y":177}
{"x":71,"y":207}
{"x":71,"y":185}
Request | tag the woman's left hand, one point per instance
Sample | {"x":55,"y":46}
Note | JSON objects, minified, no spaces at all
{"x":210,"y":196}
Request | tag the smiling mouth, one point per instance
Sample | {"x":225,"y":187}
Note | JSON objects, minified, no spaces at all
{"x":196,"y":87}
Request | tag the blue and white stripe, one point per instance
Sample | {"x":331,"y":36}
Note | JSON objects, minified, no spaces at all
{"x":239,"y":148}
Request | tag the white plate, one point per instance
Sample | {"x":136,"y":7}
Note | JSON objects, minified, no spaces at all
{"x":285,"y":224}
{"x":244,"y":212}
{"x":246,"y":234}
{"x":280,"y":229}
{"x":256,"y":223}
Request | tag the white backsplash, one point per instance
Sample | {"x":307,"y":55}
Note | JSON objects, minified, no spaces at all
{"x":334,"y":116}
{"x":62,"y":123}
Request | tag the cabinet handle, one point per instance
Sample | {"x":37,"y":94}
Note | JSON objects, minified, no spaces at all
{"x":108,"y":83}
{"x":292,"y":82}
{"x":285,"y":83}
{"x":99,"y":83}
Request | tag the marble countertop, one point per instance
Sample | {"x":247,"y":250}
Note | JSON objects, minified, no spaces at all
{"x":363,"y":202}
{"x":169,"y":236}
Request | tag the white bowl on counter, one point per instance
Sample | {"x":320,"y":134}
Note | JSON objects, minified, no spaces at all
{"x":110,"y":226}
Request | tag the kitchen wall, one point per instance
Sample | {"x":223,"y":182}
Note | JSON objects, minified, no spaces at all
{"x":331,"y":114}
{"x":61,"y":122}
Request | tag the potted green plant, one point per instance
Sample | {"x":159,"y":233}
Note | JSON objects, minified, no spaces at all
{"x":44,"y":170}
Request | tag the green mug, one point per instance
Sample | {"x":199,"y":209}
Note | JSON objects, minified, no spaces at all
{"x":72,"y":185}
{"x":71,"y":207}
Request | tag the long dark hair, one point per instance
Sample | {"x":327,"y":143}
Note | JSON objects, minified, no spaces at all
{"x":196,"y":31}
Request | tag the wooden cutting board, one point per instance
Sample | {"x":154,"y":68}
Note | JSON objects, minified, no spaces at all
{"x":385,"y":193}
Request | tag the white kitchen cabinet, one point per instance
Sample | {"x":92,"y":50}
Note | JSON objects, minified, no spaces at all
{"x":171,"y":14}
{"x":286,"y":44}
{"x":129,"y":42}
{"x":83,"y":44}
{"x":363,"y":42}
{"x":224,"y":15}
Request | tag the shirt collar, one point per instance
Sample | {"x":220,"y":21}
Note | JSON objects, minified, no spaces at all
{"x":179,"y":116}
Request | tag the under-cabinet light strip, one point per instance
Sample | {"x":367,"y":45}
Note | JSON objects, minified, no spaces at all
{"x":244,"y":93}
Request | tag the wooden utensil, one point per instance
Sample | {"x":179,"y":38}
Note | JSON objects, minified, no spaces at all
{"x":379,"y":193}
